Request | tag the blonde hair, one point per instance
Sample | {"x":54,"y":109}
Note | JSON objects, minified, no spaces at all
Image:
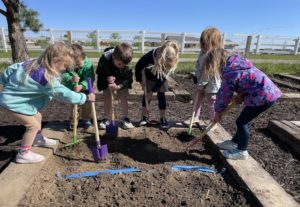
{"x":166,"y":59}
{"x":57,"y":52}
{"x":211,"y":38}
{"x":213,"y":63}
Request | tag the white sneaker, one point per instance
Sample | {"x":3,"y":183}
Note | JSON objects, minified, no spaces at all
{"x":29,"y":157}
{"x":127,"y":124}
{"x":103,"y":123}
{"x":187,"y":122}
{"x":227,"y":145}
{"x":42,"y":141}
{"x":236,"y":154}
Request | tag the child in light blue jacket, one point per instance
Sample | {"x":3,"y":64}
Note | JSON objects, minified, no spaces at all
{"x":28,"y":87}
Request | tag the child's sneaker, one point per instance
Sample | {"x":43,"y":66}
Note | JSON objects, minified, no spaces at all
{"x":86,"y":124}
{"x":103,"y":123}
{"x":164,"y":123}
{"x":235,"y":154}
{"x":42,"y":141}
{"x":127,"y":124}
{"x":143,"y":121}
{"x":227,"y":145}
{"x":28,"y":157}
{"x":188,"y":121}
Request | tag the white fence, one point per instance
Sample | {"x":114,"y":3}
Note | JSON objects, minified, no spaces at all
{"x":143,"y":41}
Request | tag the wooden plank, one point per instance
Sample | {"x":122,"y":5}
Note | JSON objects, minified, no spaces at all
{"x":286,"y":84}
{"x":296,"y":78}
{"x":296,"y":123}
{"x":267,"y":191}
{"x":286,"y":134}
{"x":292,"y":126}
{"x":16,"y":179}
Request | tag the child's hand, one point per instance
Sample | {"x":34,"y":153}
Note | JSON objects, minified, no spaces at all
{"x":240,"y":98}
{"x":113,"y":87}
{"x":111,"y":79}
{"x":78,"y":88}
{"x":75,"y":79}
{"x":91,"y":97}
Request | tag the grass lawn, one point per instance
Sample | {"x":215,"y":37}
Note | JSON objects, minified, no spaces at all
{"x":268,"y":68}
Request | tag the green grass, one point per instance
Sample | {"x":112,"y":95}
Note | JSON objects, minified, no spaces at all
{"x":268,"y":68}
{"x":33,"y":54}
{"x":273,"y":56}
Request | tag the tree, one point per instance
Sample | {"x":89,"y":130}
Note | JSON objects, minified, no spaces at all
{"x":19,"y":18}
{"x":137,"y":41}
{"x":115,"y":36}
{"x":92,"y":36}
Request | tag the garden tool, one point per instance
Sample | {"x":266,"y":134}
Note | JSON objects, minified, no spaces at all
{"x":193,"y":114}
{"x":112,"y":128}
{"x":146,"y":99}
{"x":75,"y":125}
{"x":210,"y":126}
{"x":99,"y":151}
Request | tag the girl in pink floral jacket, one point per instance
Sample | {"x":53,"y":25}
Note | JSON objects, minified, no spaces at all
{"x":253,"y":87}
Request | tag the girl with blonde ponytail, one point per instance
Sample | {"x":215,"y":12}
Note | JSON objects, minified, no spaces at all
{"x":158,"y":65}
{"x":28,"y":87}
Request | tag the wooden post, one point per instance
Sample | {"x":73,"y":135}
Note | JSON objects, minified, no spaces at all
{"x":143,"y":32}
{"x":51,"y":35}
{"x":297,"y":41}
{"x":257,"y":44}
{"x":224,"y":40}
{"x":162,"y":38}
{"x":69,"y":36}
{"x":248,"y":45}
{"x":183,"y":41}
{"x":98,"y":41}
{"x":3,"y":39}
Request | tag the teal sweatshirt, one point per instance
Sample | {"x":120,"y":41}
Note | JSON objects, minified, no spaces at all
{"x":28,"y":94}
{"x":85,"y":72}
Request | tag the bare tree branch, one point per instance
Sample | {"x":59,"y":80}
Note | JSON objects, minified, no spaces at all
{"x":3,"y":13}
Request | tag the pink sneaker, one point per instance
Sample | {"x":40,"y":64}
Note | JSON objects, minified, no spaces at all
{"x":29,"y":157}
{"x":42,"y":141}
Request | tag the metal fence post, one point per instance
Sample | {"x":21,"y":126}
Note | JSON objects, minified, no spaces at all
{"x":257,"y":44}
{"x":51,"y":35}
{"x":143,"y":32}
{"x":183,"y":42}
{"x":3,"y":39}
{"x":98,"y":44}
{"x":296,"y":46}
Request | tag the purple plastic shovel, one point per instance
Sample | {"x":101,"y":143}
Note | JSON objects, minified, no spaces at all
{"x":99,"y":151}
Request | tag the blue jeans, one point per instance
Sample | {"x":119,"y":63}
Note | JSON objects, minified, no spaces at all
{"x":241,"y":136}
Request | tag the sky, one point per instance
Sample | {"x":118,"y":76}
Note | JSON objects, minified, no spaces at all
{"x":266,"y":17}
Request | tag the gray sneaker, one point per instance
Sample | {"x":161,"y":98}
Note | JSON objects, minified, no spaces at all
{"x":236,"y":154}
{"x":227,"y":145}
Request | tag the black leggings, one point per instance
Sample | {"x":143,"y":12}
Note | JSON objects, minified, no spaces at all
{"x":162,"y":104}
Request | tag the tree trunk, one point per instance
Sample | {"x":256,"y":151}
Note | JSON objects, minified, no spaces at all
{"x":17,"y":42}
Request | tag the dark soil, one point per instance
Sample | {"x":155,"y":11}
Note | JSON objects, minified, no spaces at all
{"x":154,"y":151}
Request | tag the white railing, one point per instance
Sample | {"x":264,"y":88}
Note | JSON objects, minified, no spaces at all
{"x":143,"y":41}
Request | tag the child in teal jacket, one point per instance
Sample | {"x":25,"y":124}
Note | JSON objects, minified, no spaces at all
{"x":28,"y":87}
{"x":77,"y":80}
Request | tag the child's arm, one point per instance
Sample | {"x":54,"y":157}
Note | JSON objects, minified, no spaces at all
{"x":89,"y":73}
{"x":4,"y":77}
{"x":64,"y":94}
{"x":102,"y":74}
{"x":224,"y":96}
{"x":143,"y":62}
